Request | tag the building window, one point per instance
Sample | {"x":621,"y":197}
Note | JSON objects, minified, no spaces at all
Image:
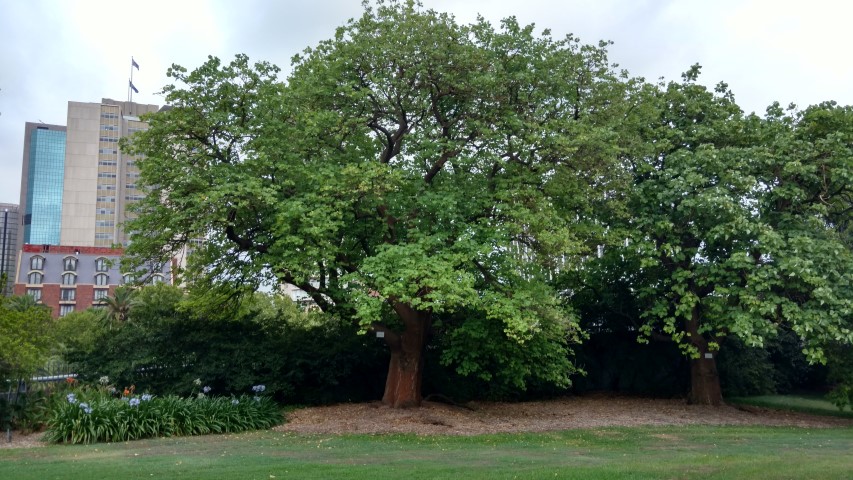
{"x":65,"y":310}
{"x":68,"y":294}
{"x":35,"y":293}
{"x":102,"y":279}
{"x":35,"y":278}
{"x":103,"y":236}
{"x":37,"y":263}
{"x":70,"y":264}
{"x":155,"y":279}
{"x":128,"y":278}
{"x":69,"y":279}
{"x":102,"y":265}
{"x":101,"y":294}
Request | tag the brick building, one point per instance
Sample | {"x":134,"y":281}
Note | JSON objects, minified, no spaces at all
{"x":73,"y":278}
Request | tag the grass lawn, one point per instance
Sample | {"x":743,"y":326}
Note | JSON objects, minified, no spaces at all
{"x":649,"y":452}
{"x":799,"y":403}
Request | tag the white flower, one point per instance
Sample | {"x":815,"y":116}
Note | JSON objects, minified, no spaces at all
{"x":105,"y":380}
{"x":197,"y":382}
{"x":234,"y":401}
{"x":71,"y":398}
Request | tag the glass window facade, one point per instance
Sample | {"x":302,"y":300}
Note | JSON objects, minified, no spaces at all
{"x":10,"y":220}
{"x":65,"y":310}
{"x":46,"y":170}
{"x":67,"y":294}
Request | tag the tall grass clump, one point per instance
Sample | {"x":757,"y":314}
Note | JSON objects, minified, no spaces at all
{"x":101,"y":418}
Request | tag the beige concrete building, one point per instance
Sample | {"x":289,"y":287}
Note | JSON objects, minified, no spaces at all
{"x":99,"y":181}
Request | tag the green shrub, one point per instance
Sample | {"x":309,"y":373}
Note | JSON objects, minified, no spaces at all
{"x":304,"y":358}
{"x":99,"y":418}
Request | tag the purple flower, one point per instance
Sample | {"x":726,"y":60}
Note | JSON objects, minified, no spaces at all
{"x":206,"y":389}
{"x":259,"y":388}
{"x":134,"y":402}
{"x":86,"y":408}
{"x":146,"y":397}
{"x":71,"y":398}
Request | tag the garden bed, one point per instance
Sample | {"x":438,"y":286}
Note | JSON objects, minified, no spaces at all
{"x":495,"y":417}
{"x":559,"y":414}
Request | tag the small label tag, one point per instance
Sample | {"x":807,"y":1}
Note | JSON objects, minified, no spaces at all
{"x":380,"y":334}
{"x":709,"y":356}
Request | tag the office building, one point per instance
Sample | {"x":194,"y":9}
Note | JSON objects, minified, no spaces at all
{"x":100,"y":181}
{"x":42,"y":175}
{"x":75,"y":190}
{"x":9,"y":231}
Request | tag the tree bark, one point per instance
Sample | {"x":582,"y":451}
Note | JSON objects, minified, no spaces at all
{"x":405,"y":370}
{"x":704,"y":379}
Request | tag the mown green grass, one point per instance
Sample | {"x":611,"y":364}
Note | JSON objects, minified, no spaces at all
{"x":798,"y":403}
{"x":660,"y":452}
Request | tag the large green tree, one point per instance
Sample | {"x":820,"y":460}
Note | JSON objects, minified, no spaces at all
{"x":409,"y":170}
{"x":732,"y":221}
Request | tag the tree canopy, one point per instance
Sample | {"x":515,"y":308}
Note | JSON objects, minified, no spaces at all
{"x":408,"y":169}
{"x":25,"y":335}
{"x":735,"y":225}
{"x":420,"y":176}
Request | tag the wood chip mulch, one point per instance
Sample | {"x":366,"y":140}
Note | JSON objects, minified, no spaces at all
{"x":477,"y":418}
{"x":561,"y":414}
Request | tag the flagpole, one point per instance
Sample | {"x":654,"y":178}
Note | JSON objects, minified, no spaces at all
{"x":130,"y":85}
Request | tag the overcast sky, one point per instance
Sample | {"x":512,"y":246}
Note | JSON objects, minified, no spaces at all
{"x":55,"y":51}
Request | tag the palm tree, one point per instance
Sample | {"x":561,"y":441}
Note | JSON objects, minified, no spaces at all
{"x":118,"y":306}
{"x":22,"y":303}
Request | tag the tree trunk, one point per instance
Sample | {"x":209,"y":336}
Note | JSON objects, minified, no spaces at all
{"x":405,"y":370}
{"x":704,"y":379}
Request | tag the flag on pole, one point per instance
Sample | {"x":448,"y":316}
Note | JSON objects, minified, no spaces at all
{"x":133,"y":63}
{"x":132,"y":87}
